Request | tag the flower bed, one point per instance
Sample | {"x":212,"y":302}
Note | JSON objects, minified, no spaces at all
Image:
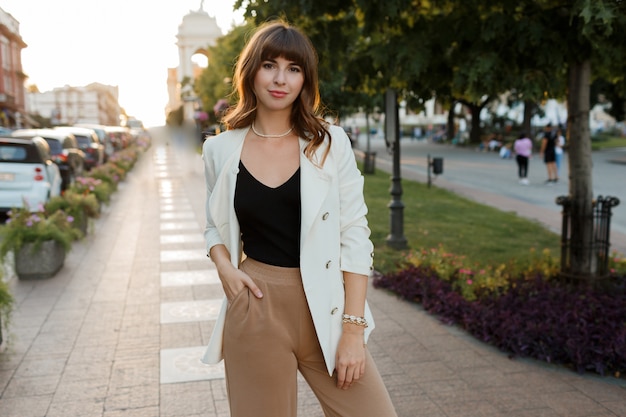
{"x":529,"y":314}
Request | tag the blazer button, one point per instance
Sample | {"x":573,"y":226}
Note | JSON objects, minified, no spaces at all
{"x":334,"y":311}
{"x":327,"y":264}
{"x":325,"y":216}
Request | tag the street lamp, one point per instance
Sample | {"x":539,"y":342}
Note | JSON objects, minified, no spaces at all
{"x":396,"y":238}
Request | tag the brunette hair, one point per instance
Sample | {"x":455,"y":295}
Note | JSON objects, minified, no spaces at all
{"x":272,"y":40}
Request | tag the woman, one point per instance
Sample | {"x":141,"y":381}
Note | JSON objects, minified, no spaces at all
{"x":523,"y":148}
{"x":286,"y":229}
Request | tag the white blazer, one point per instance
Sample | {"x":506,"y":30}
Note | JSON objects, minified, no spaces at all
{"x":334,"y":235}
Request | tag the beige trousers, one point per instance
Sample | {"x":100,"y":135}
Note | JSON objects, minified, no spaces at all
{"x":266,"y":341}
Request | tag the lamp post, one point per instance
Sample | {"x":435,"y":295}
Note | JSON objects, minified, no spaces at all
{"x":396,"y":237}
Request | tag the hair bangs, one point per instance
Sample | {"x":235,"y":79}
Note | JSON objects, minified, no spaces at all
{"x":286,"y":43}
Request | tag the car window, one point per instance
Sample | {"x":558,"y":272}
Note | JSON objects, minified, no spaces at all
{"x":83,"y":140}
{"x":17,"y":152}
{"x":55,"y":146}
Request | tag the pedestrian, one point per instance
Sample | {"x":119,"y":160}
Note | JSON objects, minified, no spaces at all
{"x":523,"y":148}
{"x":287,"y":231}
{"x":548,"y":151}
{"x":558,"y":150}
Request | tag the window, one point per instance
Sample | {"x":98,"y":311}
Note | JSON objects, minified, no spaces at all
{"x":13,"y":153}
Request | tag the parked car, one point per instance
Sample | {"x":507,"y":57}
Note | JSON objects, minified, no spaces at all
{"x":64,"y":151}
{"x":28,"y":177}
{"x":5,"y":131}
{"x":89,"y":143}
{"x":120,"y":136}
{"x":100,"y":130}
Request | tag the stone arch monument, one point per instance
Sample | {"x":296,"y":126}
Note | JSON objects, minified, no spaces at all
{"x":196,"y":33}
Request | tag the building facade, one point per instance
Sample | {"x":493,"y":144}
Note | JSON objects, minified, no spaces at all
{"x":12,"y":97}
{"x":197,"y":32}
{"x":94,"y":104}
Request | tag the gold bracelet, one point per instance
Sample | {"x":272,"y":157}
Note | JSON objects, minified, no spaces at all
{"x":359,"y":321}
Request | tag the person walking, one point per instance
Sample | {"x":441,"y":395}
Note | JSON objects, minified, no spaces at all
{"x":548,"y":151}
{"x":558,"y":151}
{"x":523,"y":148}
{"x":287,"y":231}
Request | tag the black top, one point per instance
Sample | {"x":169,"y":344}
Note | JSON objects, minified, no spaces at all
{"x":549,"y":153}
{"x":269,"y":219}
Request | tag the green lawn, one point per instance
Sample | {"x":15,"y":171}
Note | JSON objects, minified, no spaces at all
{"x":433,"y":216}
{"x":600,"y":142}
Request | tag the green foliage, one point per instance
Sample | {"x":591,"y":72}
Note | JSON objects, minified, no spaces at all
{"x":175,"y":117}
{"x":125,"y":159}
{"x":85,"y":185}
{"x":6,"y":303}
{"x":80,"y":206}
{"x":109,"y":173}
{"x":472,"y":280}
{"x":24,"y":227}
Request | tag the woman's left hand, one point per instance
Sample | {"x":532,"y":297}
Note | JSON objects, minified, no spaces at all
{"x":350,"y":365}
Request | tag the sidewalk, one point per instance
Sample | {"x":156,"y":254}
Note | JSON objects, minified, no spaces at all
{"x":120,"y":330}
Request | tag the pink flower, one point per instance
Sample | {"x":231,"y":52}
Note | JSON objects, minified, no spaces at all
{"x":470,"y":282}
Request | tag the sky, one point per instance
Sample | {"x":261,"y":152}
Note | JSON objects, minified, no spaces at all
{"x":124,"y":43}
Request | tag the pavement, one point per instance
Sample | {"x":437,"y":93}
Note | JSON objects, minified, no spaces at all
{"x":119,"y":331}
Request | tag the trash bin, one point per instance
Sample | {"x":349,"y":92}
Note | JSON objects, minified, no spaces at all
{"x":437,"y":166}
{"x":369,"y":163}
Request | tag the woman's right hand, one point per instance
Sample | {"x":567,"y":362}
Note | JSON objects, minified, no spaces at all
{"x":235,"y":280}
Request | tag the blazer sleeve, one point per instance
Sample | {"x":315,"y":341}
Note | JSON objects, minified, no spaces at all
{"x":357,"y":250}
{"x":211,"y":235}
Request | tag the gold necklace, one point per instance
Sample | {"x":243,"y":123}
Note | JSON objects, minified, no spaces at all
{"x":271,"y":136}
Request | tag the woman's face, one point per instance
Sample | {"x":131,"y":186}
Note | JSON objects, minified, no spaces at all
{"x":277,"y":84}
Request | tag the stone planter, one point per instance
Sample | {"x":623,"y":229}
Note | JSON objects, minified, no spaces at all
{"x":42,"y":263}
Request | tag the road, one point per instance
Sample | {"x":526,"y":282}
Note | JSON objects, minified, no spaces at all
{"x":487,"y":178}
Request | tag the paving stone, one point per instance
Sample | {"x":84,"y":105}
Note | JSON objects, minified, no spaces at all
{"x":193,"y":310}
{"x":26,"y":406}
{"x":183,"y":364}
{"x":31,"y":386}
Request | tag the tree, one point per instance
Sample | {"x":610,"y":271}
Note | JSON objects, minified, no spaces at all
{"x":470,"y":51}
{"x":591,"y":33}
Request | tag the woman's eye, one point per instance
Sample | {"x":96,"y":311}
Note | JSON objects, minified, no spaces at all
{"x":294,"y":69}
{"x":268,"y":65}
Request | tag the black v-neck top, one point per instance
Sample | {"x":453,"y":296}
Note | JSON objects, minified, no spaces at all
{"x":269,"y":219}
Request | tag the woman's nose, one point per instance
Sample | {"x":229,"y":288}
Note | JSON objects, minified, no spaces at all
{"x":279,"y":78}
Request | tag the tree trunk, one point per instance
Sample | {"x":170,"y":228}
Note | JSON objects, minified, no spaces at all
{"x":581,"y":257}
{"x":528,"y":114}
{"x":450,"y":128}
{"x":475,"y":132}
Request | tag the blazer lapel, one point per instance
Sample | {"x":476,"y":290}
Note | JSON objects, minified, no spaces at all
{"x":314,"y":185}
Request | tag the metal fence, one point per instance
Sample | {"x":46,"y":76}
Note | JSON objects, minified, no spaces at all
{"x":599,"y":240}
